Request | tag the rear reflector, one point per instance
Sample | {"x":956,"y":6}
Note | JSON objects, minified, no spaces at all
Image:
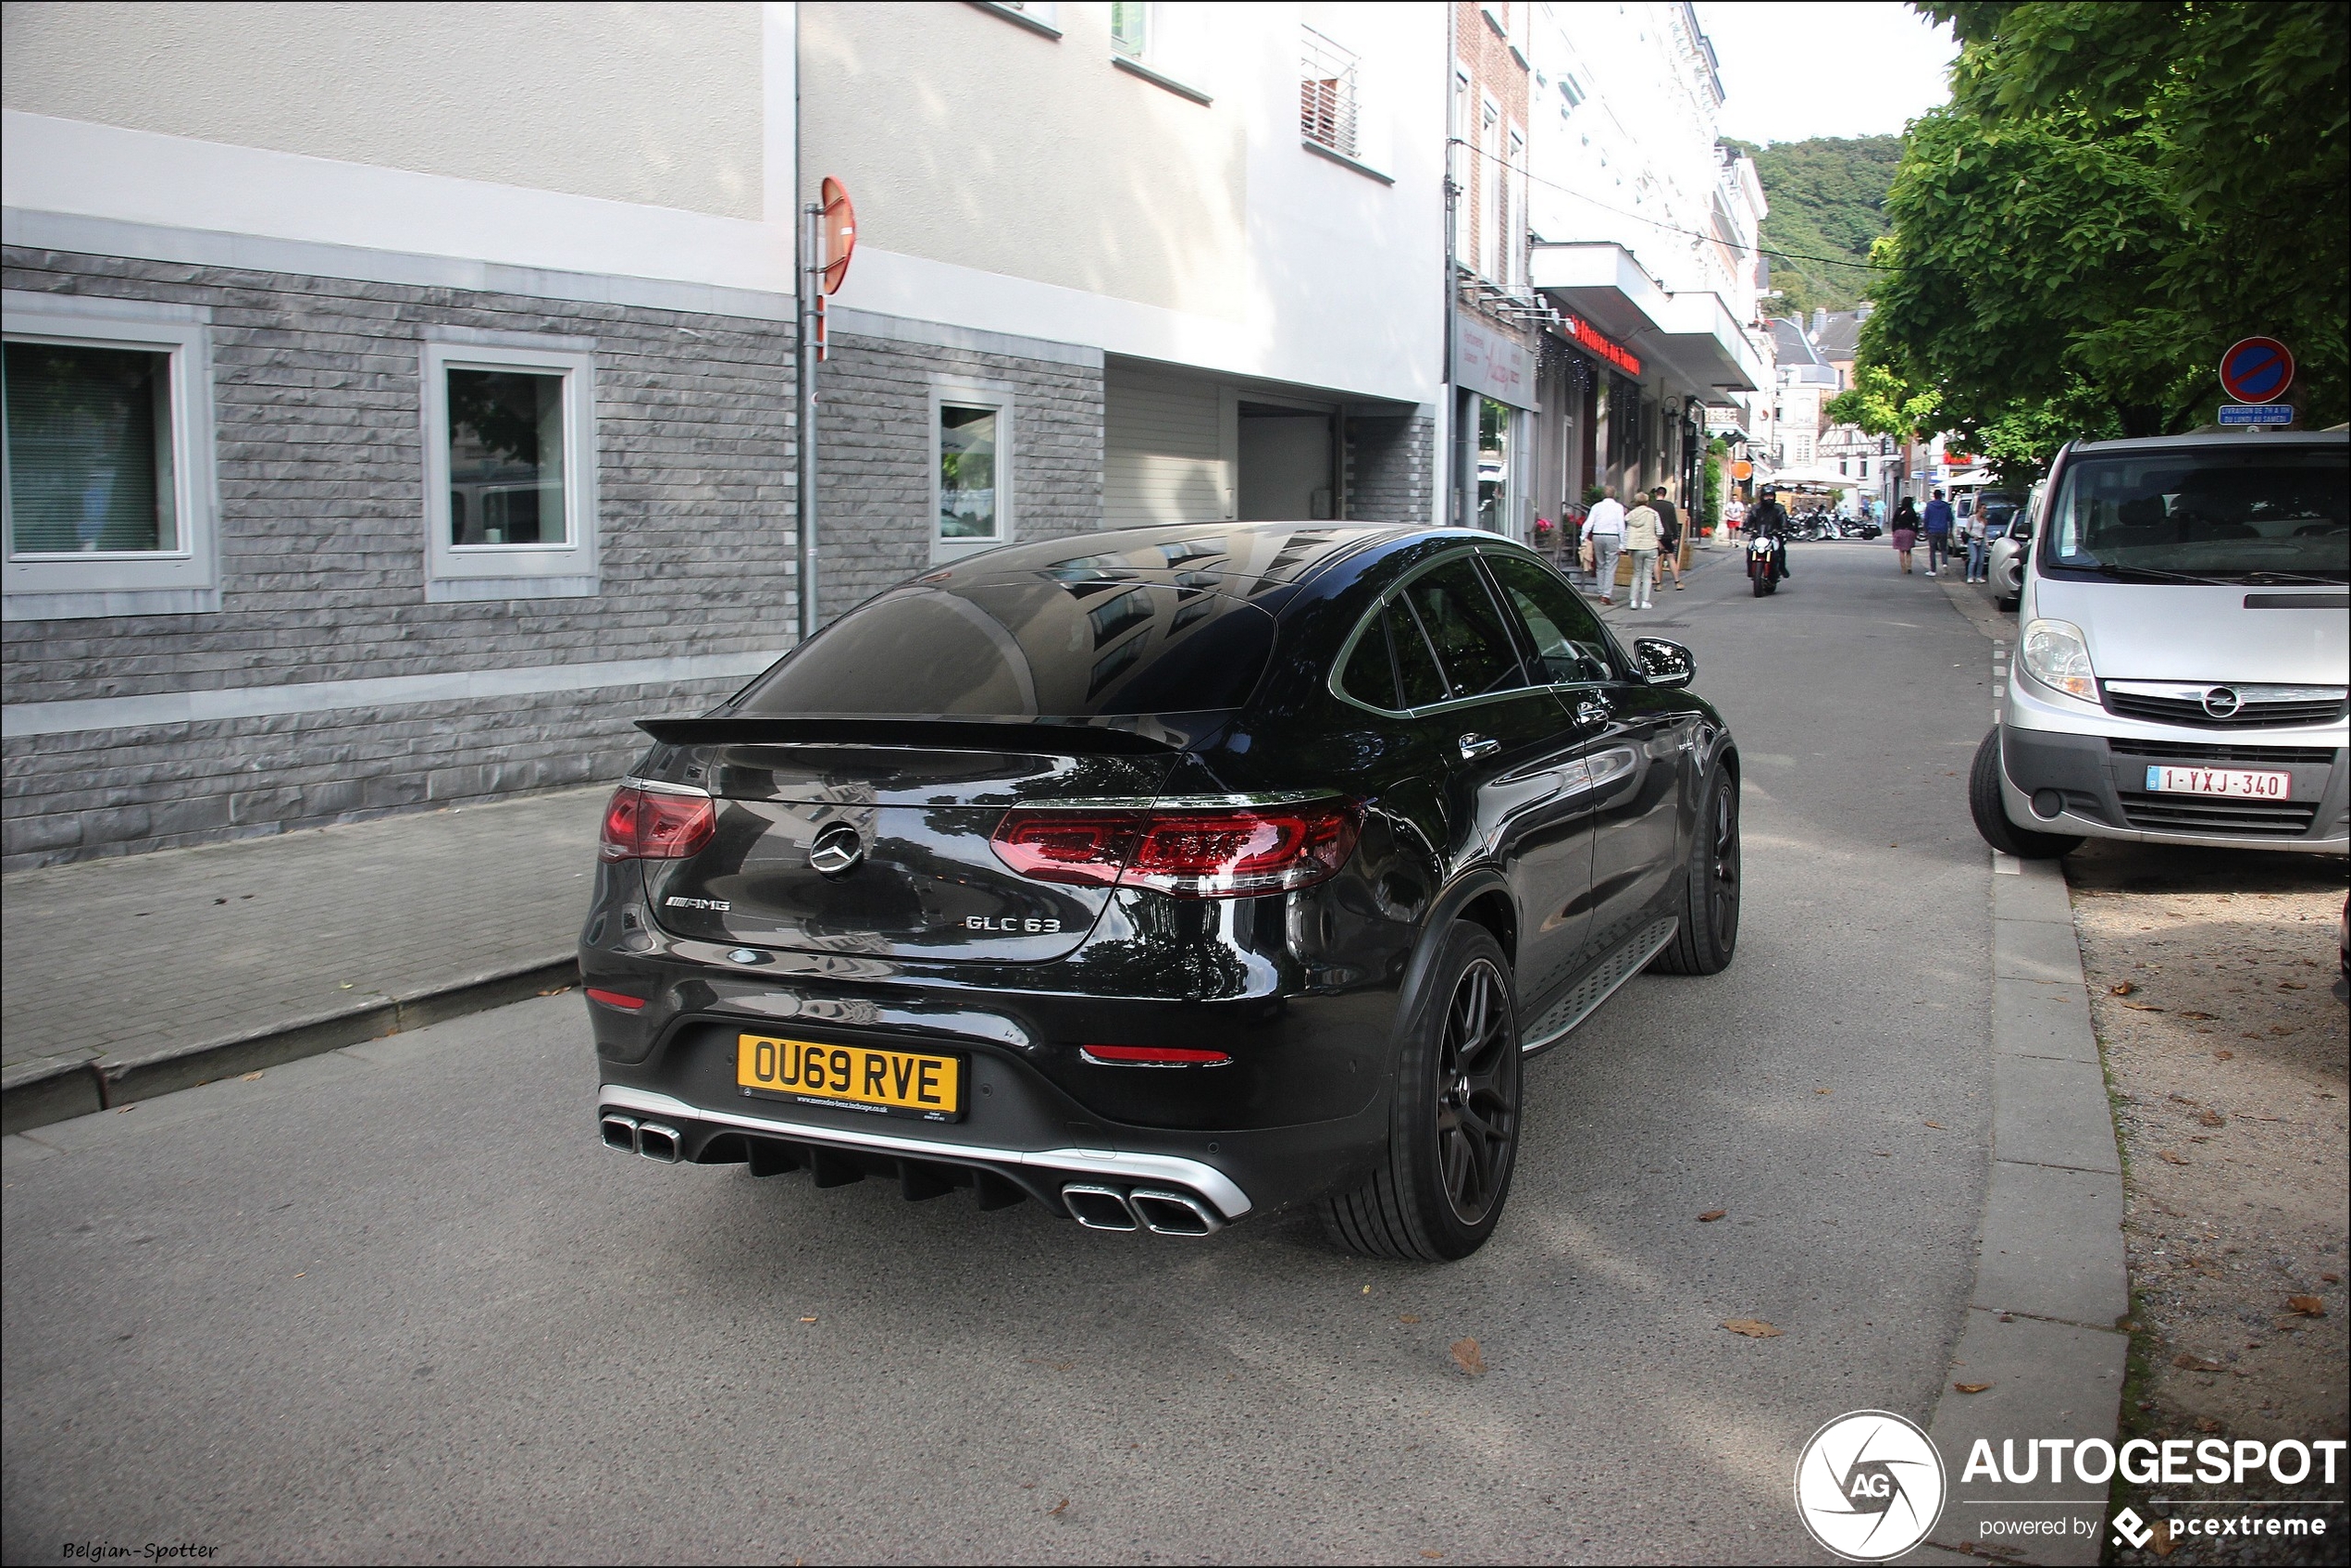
{"x":621,"y":1000}
{"x":1205,"y":851}
{"x":1151,"y":1056}
{"x":654,"y":824}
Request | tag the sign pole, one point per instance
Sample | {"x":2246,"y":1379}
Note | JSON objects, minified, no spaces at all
{"x":811,"y":287}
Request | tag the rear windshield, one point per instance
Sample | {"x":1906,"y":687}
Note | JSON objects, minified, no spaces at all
{"x":2220,"y":516}
{"x":1029,"y":648}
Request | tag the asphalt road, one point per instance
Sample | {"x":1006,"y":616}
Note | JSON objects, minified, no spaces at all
{"x":399,"y":1303}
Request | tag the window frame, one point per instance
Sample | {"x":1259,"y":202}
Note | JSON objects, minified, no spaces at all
{"x":87,"y":585}
{"x":463,"y":573}
{"x":1529,"y":658}
{"x":948,"y":392}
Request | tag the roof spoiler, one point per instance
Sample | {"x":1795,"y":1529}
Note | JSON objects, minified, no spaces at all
{"x":1047,"y":736}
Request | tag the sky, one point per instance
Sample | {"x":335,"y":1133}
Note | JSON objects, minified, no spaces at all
{"x":1824,"y":68}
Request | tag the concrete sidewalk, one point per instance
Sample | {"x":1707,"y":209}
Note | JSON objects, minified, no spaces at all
{"x":133,"y":977}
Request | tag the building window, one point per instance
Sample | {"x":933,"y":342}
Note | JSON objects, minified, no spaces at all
{"x":1326,"y":93}
{"x":971,"y":468}
{"x":1571,"y":90}
{"x":510,"y":471}
{"x":108,"y":493}
{"x":1489,"y":217}
{"x":1130,"y":27}
{"x":1513,"y":212}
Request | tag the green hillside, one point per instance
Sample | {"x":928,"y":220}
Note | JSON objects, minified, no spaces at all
{"x":1825,"y":196}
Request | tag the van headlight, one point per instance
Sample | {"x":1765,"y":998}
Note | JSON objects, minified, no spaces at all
{"x":2057,"y":657}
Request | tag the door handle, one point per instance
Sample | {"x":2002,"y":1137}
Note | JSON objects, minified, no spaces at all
{"x":1475,"y":745}
{"x":1591,"y":711}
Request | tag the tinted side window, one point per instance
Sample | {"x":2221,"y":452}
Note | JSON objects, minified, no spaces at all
{"x":1565,"y":633}
{"x":1474,"y":647}
{"x":1370,"y":676}
{"x":1423,"y":682}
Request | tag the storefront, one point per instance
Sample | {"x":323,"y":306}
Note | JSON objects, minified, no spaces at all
{"x":1494,"y":407}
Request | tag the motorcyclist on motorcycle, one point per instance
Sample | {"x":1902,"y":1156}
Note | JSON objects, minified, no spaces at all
{"x":1768,"y":515}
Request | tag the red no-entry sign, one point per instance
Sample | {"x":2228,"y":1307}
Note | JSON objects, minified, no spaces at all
{"x":2257,"y":370}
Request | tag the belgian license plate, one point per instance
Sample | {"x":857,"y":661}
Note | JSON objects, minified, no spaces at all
{"x":2243,"y":783}
{"x":854,"y":1078}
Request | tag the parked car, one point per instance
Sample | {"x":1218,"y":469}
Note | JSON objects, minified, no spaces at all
{"x":2179,"y":673}
{"x":1163,"y":878}
{"x":2005,"y":558}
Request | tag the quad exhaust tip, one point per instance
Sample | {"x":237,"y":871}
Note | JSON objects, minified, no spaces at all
{"x":1161,"y":1213}
{"x":651,"y":1139}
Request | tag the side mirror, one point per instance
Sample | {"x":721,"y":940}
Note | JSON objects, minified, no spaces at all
{"x":1665,"y":663}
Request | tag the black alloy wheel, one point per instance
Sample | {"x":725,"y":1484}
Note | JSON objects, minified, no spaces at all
{"x":1708,"y":934}
{"x":1453,"y":1135}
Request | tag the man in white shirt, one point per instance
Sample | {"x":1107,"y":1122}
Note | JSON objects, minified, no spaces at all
{"x":1604,"y":526}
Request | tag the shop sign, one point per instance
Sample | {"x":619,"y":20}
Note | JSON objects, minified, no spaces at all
{"x":1486,"y":361}
{"x":1590,"y":337}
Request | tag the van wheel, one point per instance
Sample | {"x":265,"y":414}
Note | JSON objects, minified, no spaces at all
{"x":1452,"y":1139}
{"x":1991,"y":813}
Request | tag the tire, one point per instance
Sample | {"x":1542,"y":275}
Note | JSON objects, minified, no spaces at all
{"x":1707,"y":905}
{"x":1441,"y":1188}
{"x":1762,"y":581}
{"x":1991,"y":813}
{"x":2006,"y":603}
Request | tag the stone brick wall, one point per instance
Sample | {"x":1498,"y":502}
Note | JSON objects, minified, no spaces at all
{"x":316,"y":390}
{"x":1389,"y":471}
{"x":876,"y":448}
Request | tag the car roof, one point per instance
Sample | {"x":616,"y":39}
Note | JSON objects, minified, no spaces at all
{"x":2204,"y":440}
{"x":1260,"y":555}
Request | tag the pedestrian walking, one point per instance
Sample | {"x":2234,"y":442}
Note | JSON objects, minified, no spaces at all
{"x":1642,"y":526}
{"x":1669,"y":536}
{"x":1979,"y":549}
{"x":1939,"y":532}
{"x":1905,"y":532}
{"x":1603,"y":537}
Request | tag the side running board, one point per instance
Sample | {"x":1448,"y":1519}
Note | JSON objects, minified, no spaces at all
{"x":1630,"y":958}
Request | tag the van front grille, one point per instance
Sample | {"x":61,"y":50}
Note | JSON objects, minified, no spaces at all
{"x":2214,"y":813}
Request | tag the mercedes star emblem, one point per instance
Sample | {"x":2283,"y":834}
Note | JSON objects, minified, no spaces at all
{"x":836,"y":850}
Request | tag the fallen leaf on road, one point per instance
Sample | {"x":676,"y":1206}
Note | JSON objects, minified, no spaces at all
{"x":1408,"y":1317}
{"x":1753,"y":1327}
{"x":2206,"y":1423}
{"x":247,"y":1078}
{"x":2169,"y":1158}
{"x":1465,"y":1353}
{"x":2212,"y":1118}
{"x":343,"y":986}
{"x":2125,"y":988}
{"x":2280,"y":1029}
{"x":1432,"y":1556}
{"x":1824,"y":1091}
{"x":1937,"y":1125}
{"x":1970,"y":1387}
{"x":2196,"y":1364}
{"x":2198,"y":1016}
{"x":1367,"y":1289}
{"x":808,"y":1320}
{"x":2224,"y":1056}
{"x":2143,"y":1007}
{"x":2308,"y":1306}
{"x":1057,"y":1508}
{"x":1711,"y":1215}
{"x":2159,"y":1540}
{"x":2331,"y":1278}
{"x":304,"y":1275}
{"x":2291,"y":986}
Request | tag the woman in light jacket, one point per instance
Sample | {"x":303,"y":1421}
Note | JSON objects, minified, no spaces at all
{"x":1641,"y":533}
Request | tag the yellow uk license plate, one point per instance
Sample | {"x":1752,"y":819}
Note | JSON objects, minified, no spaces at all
{"x":862,"y":1078}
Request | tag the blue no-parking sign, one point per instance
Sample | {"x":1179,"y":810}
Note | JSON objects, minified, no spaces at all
{"x":2257,"y":370}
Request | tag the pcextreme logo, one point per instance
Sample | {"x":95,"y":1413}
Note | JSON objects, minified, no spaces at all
{"x":1869,"y":1486}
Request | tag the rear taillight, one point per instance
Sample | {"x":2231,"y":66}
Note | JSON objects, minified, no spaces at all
{"x":1208,"y":851}
{"x":654,"y":824}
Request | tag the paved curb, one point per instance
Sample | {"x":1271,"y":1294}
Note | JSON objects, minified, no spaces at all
{"x":2051,"y":1283}
{"x":77,"y":1089}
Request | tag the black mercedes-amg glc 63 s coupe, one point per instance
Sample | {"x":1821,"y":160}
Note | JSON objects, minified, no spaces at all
{"x":1162,"y":877}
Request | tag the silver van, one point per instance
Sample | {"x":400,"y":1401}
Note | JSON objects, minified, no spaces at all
{"x":2182,"y":664}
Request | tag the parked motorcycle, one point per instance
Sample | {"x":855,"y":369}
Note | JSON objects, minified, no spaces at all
{"x":1764,"y":565}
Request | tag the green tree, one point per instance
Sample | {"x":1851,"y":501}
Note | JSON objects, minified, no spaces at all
{"x":1826,"y":196}
{"x":2117,"y":191}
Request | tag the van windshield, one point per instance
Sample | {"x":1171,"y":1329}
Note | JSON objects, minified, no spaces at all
{"x":2228,"y":515}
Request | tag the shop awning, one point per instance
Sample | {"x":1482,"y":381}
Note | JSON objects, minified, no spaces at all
{"x":1813,"y":478}
{"x":1691,"y":338}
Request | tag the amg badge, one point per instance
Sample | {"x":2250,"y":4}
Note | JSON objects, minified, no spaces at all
{"x":674,"y":901}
